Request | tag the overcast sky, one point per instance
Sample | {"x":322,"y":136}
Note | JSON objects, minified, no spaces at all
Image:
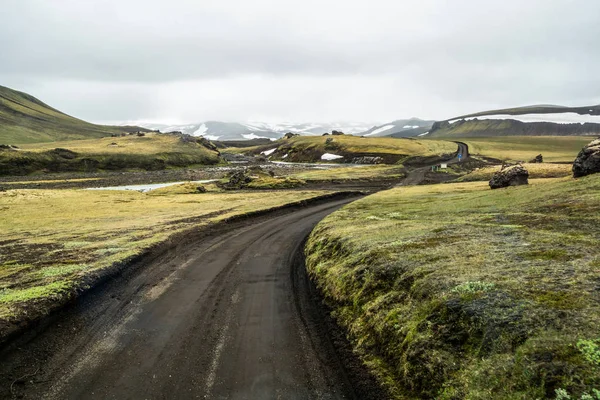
{"x":309,"y":60}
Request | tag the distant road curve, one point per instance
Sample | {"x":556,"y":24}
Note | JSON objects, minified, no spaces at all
{"x":231,"y":316}
{"x":417,"y":175}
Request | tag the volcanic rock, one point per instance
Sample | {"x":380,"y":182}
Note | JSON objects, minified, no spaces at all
{"x":513,"y":175}
{"x":588,"y":160}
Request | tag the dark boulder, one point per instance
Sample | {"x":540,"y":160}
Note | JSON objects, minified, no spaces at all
{"x":200,"y":189}
{"x":537,"y":160}
{"x":140,"y":134}
{"x":236,"y":180}
{"x":207,"y":143}
{"x":588,"y":160}
{"x":337,"y":133}
{"x":290,"y":135}
{"x":513,"y":175}
{"x":64,"y":153}
{"x":325,"y":134}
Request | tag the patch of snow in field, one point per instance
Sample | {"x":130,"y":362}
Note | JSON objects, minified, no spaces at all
{"x":211,"y":137}
{"x":200,"y":131}
{"x":268,"y":152}
{"x":410,"y":126}
{"x":423,"y":134}
{"x":329,"y":157}
{"x":285,"y":156}
{"x":379,"y":130}
{"x":253,"y":136}
{"x":557,"y":118}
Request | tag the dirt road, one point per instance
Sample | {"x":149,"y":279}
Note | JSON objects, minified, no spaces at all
{"x":417,"y":176}
{"x":231,"y":316}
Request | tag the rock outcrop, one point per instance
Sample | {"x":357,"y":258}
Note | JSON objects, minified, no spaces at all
{"x":236,"y":180}
{"x":588,"y":160}
{"x":367,"y":160}
{"x":513,"y":175}
{"x":290,"y":135}
{"x":537,"y":160}
{"x":337,"y":133}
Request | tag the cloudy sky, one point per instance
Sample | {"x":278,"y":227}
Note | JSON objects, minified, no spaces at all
{"x":309,"y":60}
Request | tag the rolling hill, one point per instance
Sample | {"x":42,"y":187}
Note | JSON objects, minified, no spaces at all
{"x":400,"y":128}
{"x":538,"y":120}
{"x":25,"y":119}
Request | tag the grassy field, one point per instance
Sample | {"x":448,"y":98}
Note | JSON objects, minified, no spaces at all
{"x":536,"y":171}
{"x":525,"y":148}
{"x":351,"y":173}
{"x":150,"y":152}
{"x":53,"y":239}
{"x":456,"y":291}
{"x":392,"y":150}
{"x":25,"y":119}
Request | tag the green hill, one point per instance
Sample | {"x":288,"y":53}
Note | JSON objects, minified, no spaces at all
{"x":523,"y":121}
{"x":25,"y":119}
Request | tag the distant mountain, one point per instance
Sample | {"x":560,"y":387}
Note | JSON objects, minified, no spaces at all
{"x":216,"y":130}
{"x":537,"y":120}
{"x":400,"y":128}
{"x":25,"y":119}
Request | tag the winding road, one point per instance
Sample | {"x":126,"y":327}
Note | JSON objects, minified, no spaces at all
{"x":417,"y":175}
{"x":225,"y":313}
{"x":230,"y":316}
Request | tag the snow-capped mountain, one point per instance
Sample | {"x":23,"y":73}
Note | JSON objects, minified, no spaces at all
{"x":400,"y":128}
{"x":216,"y":130}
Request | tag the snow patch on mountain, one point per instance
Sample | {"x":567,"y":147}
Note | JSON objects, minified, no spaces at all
{"x":379,"y":130}
{"x":202,"y":129}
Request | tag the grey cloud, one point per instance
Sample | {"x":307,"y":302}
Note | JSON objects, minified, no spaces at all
{"x":436,"y":55}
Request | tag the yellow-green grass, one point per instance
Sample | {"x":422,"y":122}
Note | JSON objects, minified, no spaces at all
{"x":457,"y":291}
{"x":50,"y":181}
{"x":536,"y":171}
{"x":151,"y":143}
{"x":525,"y":148}
{"x":350,"y":173}
{"x":52,"y":239}
{"x":149,"y":152}
{"x":275,"y":182}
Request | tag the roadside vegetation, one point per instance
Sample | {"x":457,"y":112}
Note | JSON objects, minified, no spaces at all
{"x":536,"y":171}
{"x":455,"y":291}
{"x":56,"y":242}
{"x":525,"y":148}
{"x":391,"y":150}
{"x":149,"y":152}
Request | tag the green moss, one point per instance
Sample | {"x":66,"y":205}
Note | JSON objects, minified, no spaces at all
{"x":457,"y":292}
{"x":22,"y":295}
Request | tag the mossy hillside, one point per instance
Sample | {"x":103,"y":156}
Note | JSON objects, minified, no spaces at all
{"x":150,"y":152}
{"x":25,"y":119}
{"x":392,"y":150}
{"x":458,"y":292}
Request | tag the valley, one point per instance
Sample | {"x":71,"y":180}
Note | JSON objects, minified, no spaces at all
{"x":379,"y":267}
